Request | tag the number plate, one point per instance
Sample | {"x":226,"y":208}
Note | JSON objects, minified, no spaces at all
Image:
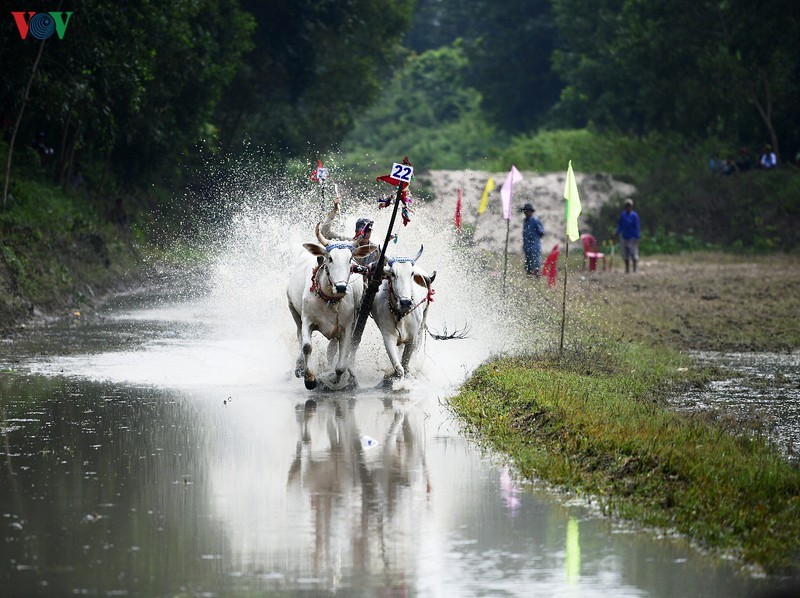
{"x":402,"y":172}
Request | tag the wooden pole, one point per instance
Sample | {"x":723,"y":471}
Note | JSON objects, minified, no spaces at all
{"x":564,"y":302}
{"x":13,"y":139}
{"x":505,"y":255}
{"x":377,"y":277}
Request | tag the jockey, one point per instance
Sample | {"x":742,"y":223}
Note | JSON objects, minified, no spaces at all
{"x":362,"y":236}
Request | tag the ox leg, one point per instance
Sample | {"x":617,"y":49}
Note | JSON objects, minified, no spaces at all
{"x":408,"y":352}
{"x":300,"y":363}
{"x":305,"y":343}
{"x":390,"y":343}
{"x":333,"y":347}
{"x":344,"y":356}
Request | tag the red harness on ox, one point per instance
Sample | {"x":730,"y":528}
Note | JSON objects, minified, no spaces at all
{"x":397,"y":315}
{"x":316,"y":288}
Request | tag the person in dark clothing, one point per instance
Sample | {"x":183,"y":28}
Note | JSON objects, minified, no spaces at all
{"x":532,"y":233}
{"x":629,"y":228}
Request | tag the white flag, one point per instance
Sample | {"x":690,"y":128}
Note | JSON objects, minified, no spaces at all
{"x":508,"y":188}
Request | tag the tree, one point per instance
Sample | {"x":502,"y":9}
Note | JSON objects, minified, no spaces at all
{"x":697,"y":68}
{"x":427,"y":111}
{"x":314,"y":66}
{"x":133,"y":84}
{"x":510,"y":57}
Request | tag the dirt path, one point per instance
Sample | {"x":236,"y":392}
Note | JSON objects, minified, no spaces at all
{"x":706,"y":301}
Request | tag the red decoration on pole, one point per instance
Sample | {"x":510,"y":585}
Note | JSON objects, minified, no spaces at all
{"x":402,"y":189}
{"x":458,"y":213}
{"x":320,"y":173}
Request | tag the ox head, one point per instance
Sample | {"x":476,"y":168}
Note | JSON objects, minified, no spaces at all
{"x":402,"y":272}
{"x":335,"y":258}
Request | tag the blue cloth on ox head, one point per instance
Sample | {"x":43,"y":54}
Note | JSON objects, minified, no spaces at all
{"x":348,"y":246}
{"x":400,"y":260}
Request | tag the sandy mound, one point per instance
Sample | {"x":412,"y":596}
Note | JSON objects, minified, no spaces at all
{"x":544,"y":191}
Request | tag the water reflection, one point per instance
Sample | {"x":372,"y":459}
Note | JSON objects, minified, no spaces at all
{"x":159,"y":456}
{"x":110,"y":489}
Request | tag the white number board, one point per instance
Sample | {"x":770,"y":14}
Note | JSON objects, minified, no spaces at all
{"x":402,"y":172}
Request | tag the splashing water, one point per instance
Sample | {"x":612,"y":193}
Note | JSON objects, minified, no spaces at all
{"x":230,"y":325}
{"x":258,"y":250}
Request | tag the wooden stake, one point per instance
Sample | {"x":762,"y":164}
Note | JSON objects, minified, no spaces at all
{"x":564,"y":302}
{"x":505,"y":258}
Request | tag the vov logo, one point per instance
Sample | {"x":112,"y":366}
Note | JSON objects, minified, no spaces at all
{"x":42,"y":25}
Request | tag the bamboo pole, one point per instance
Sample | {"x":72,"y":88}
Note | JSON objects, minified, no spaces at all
{"x":505,"y":255}
{"x":377,"y":277}
{"x":564,"y":302}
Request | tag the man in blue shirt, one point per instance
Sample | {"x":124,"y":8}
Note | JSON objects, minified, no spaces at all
{"x":629,"y":227}
{"x":532,"y":233}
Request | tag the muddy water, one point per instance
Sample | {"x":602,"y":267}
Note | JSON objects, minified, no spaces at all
{"x":762,"y":394}
{"x":162,"y":447}
{"x":150,"y":451}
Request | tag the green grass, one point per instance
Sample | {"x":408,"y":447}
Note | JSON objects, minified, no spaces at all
{"x":596,"y":421}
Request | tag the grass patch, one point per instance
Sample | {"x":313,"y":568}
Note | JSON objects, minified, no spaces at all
{"x":597,"y":422}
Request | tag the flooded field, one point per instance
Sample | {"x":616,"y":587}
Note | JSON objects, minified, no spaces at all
{"x":162,"y":447}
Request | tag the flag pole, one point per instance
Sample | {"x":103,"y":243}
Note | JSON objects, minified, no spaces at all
{"x":377,"y":278}
{"x":571,"y":212}
{"x":564,"y":302}
{"x":505,"y":255}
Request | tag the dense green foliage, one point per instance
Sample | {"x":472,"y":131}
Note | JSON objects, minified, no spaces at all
{"x":428,"y":94}
{"x":136,"y":90}
{"x":313,"y":67}
{"x":172,"y":93}
{"x":697,"y":68}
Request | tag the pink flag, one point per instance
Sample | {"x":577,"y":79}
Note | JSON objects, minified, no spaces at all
{"x":508,"y":187}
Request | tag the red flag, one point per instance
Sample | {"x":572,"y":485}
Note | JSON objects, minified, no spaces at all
{"x":315,"y":173}
{"x":458,"y":212}
{"x":550,"y":269}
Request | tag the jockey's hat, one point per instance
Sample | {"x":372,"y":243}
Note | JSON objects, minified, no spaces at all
{"x":363,"y":224}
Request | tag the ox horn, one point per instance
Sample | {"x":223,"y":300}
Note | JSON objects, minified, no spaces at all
{"x":416,"y":257}
{"x":321,"y":237}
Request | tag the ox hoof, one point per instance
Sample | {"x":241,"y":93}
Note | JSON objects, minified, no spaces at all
{"x":299,"y":372}
{"x":311,"y":383}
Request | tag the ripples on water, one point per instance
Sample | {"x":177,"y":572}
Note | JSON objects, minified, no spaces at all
{"x":763,"y":395}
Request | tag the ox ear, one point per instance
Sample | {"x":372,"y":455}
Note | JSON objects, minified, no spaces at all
{"x":314,"y":249}
{"x":422,"y":279}
{"x":363,"y":251}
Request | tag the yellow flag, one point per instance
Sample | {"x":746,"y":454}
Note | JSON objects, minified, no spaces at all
{"x":485,"y":197}
{"x":573,"y":205}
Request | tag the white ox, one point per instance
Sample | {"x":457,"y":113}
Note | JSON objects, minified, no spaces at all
{"x":324,"y":297}
{"x":401,"y":307}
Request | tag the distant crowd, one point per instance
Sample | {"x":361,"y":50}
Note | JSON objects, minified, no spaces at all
{"x":767,"y":160}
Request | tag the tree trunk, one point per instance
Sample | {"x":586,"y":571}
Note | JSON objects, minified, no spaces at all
{"x":62,"y":152}
{"x":765,"y":111}
{"x":25,"y":97}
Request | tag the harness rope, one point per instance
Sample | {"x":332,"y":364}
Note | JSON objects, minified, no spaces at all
{"x":317,"y":288}
{"x":397,"y":315}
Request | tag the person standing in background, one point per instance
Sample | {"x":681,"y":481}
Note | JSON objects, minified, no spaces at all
{"x":628,"y":227}
{"x":532,"y":233}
